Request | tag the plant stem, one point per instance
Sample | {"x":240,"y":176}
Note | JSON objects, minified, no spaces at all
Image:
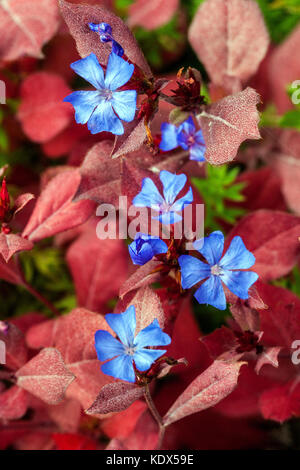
{"x":155,"y":415}
{"x":41,"y":298}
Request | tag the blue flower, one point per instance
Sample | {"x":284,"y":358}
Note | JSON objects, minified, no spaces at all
{"x":105,"y":33}
{"x":166,"y":206}
{"x":218,"y":269}
{"x":184,"y":136}
{"x":104,"y":108}
{"x":145,"y":247}
{"x":121,"y":353}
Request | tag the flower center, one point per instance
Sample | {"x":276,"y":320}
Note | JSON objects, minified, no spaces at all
{"x":106,"y":94}
{"x":130,"y":350}
{"x":216,"y":270}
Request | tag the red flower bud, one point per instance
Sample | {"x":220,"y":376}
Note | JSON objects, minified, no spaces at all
{"x":4,"y":201}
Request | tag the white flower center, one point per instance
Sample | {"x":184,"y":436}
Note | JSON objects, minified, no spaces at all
{"x":216,"y":270}
{"x":130,"y":350}
{"x":106,"y":94}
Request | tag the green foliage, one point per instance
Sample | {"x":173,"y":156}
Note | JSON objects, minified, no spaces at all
{"x":290,"y":282}
{"x":208,"y":317}
{"x":156,"y":44}
{"x":218,"y":187}
{"x":281,"y":17}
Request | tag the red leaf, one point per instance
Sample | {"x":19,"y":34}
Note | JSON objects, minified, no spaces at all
{"x":142,"y":276}
{"x":210,"y":387}
{"x":122,"y":424}
{"x":227,"y":123}
{"x":147,"y":306}
{"x":133,"y":138}
{"x":275,"y":245}
{"x":73,"y":335}
{"x":230,"y":38}
{"x":13,"y":403}
{"x":46,"y":376}
{"x":100,"y":175}
{"x":16,"y":350}
{"x":10,"y":272}
{"x":66,"y":415}
{"x":283,"y":71}
{"x":26,"y":25}
{"x":99,"y":268}
{"x":11,"y":244}
{"x":269,"y":356}
{"x":54,"y":211}
{"x":282,"y":402}
{"x":115,"y":397}
{"x":77,"y":18}
{"x":22,"y":202}
{"x":281,"y":320}
{"x":42,"y":112}
{"x":288,"y":168}
{"x":74,"y":442}
{"x":151,"y":15}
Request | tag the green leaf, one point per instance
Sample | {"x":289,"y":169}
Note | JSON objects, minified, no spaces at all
{"x":291,"y":119}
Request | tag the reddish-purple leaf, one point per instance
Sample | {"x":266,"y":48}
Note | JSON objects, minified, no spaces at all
{"x":99,"y":269}
{"x":275,"y":245}
{"x":133,"y":138}
{"x":288,"y":168}
{"x":12,"y":243}
{"x":10,"y":272}
{"x":26,"y":25}
{"x":73,"y":335}
{"x":151,"y":15}
{"x":77,"y":18}
{"x":100,"y":175}
{"x":282,"y":402}
{"x":283,"y":71}
{"x":230,"y":38}
{"x":210,"y":387}
{"x":115,"y":397}
{"x":269,"y":356}
{"x":16,"y":352}
{"x":54,"y":211}
{"x":227,"y":123}
{"x":42,"y":112}
{"x":143,"y":276}
{"x":13,"y":403}
{"x":22,"y":202}
{"x":46,"y":376}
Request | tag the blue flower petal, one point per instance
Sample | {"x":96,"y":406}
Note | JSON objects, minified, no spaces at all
{"x":84,"y":103}
{"x":123,"y":324}
{"x":187,"y":127}
{"x":211,"y":292}
{"x":152,"y":335}
{"x":197,"y":152}
{"x":212,"y":248}
{"x":239,"y":282}
{"x":124,"y":104}
{"x":144,"y":358}
{"x":90,"y":69}
{"x":144,"y":247}
{"x":121,"y":368}
{"x":180,"y":204}
{"x":172,"y":185}
{"x":149,"y":196}
{"x":192,"y":271}
{"x":118,"y":72}
{"x":104,"y":119}
{"x":107,"y":346}
{"x":168,"y":218}
{"x":169,"y":137}
{"x":237,"y":256}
